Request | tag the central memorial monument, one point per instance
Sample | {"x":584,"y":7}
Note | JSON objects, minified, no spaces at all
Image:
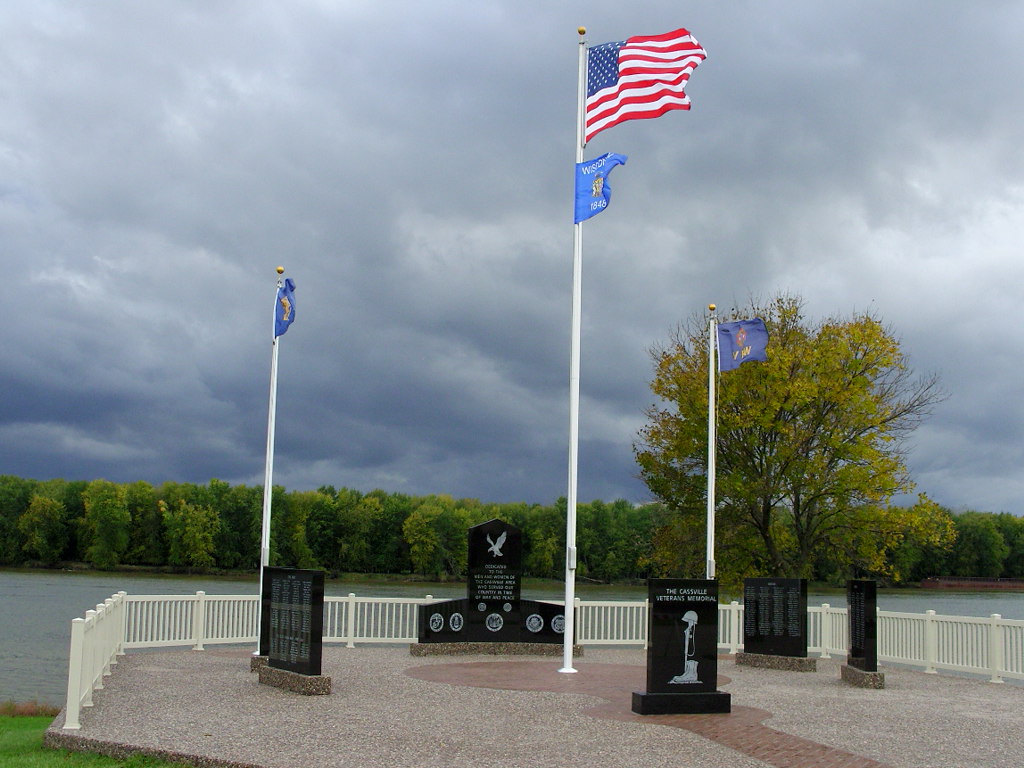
{"x":682,"y":649}
{"x":493,"y":610}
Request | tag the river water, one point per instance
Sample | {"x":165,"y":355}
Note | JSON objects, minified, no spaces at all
{"x":36,"y":609}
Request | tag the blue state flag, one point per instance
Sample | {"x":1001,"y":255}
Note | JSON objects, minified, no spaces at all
{"x":592,"y":191}
{"x":741,"y":342}
{"x":284,"y":311}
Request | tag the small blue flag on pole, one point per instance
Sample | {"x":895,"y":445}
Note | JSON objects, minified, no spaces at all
{"x":284,"y":314}
{"x":741,"y":342}
{"x":592,"y":190}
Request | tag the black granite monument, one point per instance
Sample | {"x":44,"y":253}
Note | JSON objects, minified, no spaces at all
{"x":775,"y":617}
{"x":861,"y":667}
{"x":682,"y":649}
{"x":292,"y":619}
{"x":862,"y":612}
{"x":492,"y":611}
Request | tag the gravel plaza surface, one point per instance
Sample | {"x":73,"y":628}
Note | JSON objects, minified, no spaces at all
{"x":389,"y":709}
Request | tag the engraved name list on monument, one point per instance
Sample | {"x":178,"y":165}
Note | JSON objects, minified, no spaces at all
{"x":291,"y":636}
{"x":775,"y":616}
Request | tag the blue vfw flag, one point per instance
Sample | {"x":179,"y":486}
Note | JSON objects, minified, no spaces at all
{"x":741,"y":342}
{"x":592,"y":191}
{"x":284,"y":313}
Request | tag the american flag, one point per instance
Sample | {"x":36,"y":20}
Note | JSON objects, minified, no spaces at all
{"x":638,"y":78}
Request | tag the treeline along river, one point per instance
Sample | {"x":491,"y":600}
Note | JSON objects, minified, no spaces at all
{"x":36,"y":609}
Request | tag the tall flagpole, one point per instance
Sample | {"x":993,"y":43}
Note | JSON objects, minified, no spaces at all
{"x":268,"y":476}
{"x":712,"y":326}
{"x":574,"y":384}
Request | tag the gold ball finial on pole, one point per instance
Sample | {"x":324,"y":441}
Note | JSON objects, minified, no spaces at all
{"x":711,"y":307}
{"x":280,"y":270}
{"x":582,"y":31}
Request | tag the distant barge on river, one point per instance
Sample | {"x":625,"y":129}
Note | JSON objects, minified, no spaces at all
{"x":971,"y":582}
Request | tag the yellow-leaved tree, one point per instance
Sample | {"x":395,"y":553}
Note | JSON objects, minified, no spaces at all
{"x":810,"y":447}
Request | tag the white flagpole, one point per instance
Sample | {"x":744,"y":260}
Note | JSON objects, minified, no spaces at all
{"x":712,"y":339}
{"x":268,"y":477}
{"x":574,"y":384}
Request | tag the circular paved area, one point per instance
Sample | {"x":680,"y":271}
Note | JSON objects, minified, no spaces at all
{"x":388,"y":709}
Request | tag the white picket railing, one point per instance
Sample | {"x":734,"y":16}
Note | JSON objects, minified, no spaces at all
{"x":990,"y":646}
{"x":96,"y":642}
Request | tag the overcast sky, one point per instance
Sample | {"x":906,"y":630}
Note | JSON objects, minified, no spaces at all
{"x":410,"y":165}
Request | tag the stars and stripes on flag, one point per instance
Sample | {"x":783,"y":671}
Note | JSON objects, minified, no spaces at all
{"x":638,"y":78}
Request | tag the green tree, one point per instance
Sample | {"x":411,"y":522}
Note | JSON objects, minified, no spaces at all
{"x":544,"y":540}
{"x":240,"y":511}
{"x":980,"y":548}
{"x":436,"y":534}
{"x":1012,"y":529}
{"x":145,"y":536}
{"x":15,"y":496}
{"x":925,"y":550}
{"x":288,"y":527}
{"x":106,"y":523}
{"x":191,"y":532}
{"x":45,"y":529}
{"x":389,"y":551}
{"x":354,"y":545}
{"x":810,"y":444}
{"x":72,"y":495}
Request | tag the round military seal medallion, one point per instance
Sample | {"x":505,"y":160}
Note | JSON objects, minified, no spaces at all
{"x":507,"y":607}
{"x":494,"y":622}
{"x":558,"y":623}
{"x":481,"y":606}
{"x":436,"y":622}
{"x":455,"y":622}
{"x":534,"y":622}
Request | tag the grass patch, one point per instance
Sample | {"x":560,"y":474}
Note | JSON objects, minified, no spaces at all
{"x":21,"y":746}
{"x":27,"y":709}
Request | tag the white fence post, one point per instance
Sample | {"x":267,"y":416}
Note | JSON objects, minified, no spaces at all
{"x":734,"y":618}
{"x":826,"y":631}
{"x":89,"y":657}
{"x":122,"y":620}
{"x":199,"y":621}
{"x":995,"y":647}
{"x":646,"y":622}
{"x":109,"y":636}
{"x":577,"y":615}
{"x":74,"y":699}
{"x":931,"y":642}
{"x":350,"y":621}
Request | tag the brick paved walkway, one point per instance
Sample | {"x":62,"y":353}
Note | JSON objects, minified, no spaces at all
{"x":742,"y":730}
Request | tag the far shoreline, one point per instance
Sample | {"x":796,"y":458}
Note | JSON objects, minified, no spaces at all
{"x":418,"y":580}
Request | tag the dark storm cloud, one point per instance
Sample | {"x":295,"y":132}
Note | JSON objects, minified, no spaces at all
{"x":410,"y":166}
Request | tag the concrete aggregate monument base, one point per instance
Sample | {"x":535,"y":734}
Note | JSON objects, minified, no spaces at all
{"x":705,"y":703}
{"x":258,"y":662}
{"x":860,"y":678}
{"x":783,"y":663}
{"x":307,"y":685}
{"x":490,"y":649}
